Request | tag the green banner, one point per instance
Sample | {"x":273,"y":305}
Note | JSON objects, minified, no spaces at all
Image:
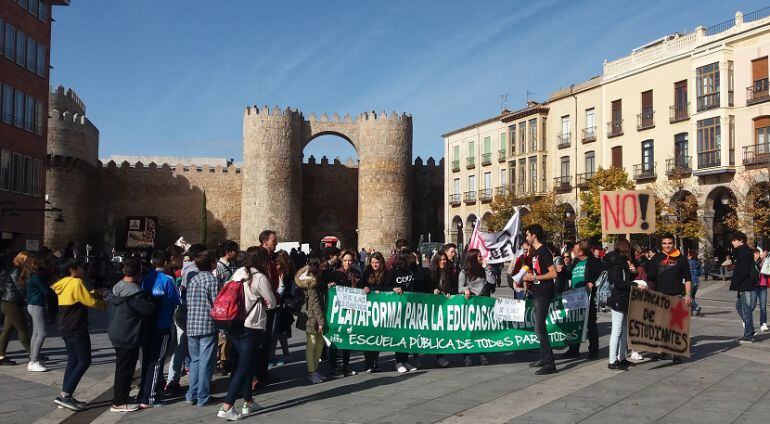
{"x":428,"y":323}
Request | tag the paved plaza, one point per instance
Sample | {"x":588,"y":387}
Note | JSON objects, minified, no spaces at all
{"x":723,"y":382}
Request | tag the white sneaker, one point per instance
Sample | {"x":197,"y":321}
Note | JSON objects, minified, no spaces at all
{"x":36,"y":367}
{"x":443,"y":363}
{"x":249,"y":408}
{"x":410,"y":367}
{"x":763,"y":328}
{"x":230,"y":415}
{"x":401,"y":368}
{"x":129,"y":407}
{"x":636,"y":356}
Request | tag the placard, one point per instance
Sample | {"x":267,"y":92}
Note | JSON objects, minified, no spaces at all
{"x":658,"y":323}
{"x":627,"y":212}
{"x":507,"y":309}
{"x":351,"y":298}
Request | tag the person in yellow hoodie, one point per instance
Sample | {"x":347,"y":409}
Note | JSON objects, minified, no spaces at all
{"x":74,"y":299}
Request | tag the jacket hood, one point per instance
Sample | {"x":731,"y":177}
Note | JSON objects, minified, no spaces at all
{"x":59,"y":286}
{"x":123,"y":291}
{"x":304,"y":280}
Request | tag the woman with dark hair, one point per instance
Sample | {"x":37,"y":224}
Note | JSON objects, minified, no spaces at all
{"x":12,"y":305}
{"x":374,"y":279}
{"x":34,"y":275}
{"x":347,"y":275}
{"x":72,"y":321}
{"x":284,"y":315}
{"x":258,"y":298}
{"x":476,"y":279}
{"x":443,"y":279}
{"x":619,"y":275}
{"x":402,"y":279}
{"x":308,"y":279}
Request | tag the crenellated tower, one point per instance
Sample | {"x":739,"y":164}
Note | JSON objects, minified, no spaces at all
{"x":71,"y":171}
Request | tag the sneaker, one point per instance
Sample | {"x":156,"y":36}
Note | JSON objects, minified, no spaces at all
{"x":230,"y":415}
{"x":349,"y":373}
{"x":636,"y":356}
{"x":172,"y":388}
{"x":467,"y":361}
{"x":484,"y":360}
{"x":314,"y":378}
{"x":249,"y":408}
{"x":416,"y":362}
{"x":746,"y":340}
{"x":410,"y":367}
{"x":443,"y":363}
{"x":129,"y":407}
{"x":67,"y":402}
{"x":763,"y":328}
{"x":698,"y":311}
{"x":537,"y":364}
{"x":82,"y":405}
{"x":36,"y":367}
{"x":5,"y":361}
{"x":401,"y":368}
{"x":617,"y":366}
{"x":546,"y":370}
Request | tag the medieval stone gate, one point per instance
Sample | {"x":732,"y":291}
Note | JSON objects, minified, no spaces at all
{"x":273,"y":141}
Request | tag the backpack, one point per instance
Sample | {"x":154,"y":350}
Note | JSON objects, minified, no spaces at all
{"x":229,"y":308}
{"x":603,"y":289}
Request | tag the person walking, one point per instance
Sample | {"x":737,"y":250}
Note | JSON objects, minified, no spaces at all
{"x":246,"y":339}
{"x":201,"y":333}
{"x":128,"y":307}
{"x":476,"y":279}
{"x":760,"y":292}
{"x":74,"y":299}
{"x":268,"y":240}
{"x":695,"y":269}
{"x":12,"y":305}
{"x":374,"y":279}
{"x":34,"y":276}
{"x":362,"y":260}
{"x":160,"y":285}
{"x":308,"y":279}
{"x":540,"y":282}
{"x":619,"y":275}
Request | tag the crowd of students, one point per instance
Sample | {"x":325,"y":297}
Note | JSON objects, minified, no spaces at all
{"x":172,"y":297}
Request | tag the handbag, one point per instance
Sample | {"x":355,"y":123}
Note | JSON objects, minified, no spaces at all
{"x":301,"y":322}
{"x":766,"y":266}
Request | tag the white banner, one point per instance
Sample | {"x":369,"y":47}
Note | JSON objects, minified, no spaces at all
{"x":498,"y":247}
{"x":507,"y":309}
{"x":350,"y":298}
{"x":575,"y":299}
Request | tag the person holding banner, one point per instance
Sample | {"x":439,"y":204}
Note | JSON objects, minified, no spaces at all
{"x":374,"y":279}
{"x":401,"y":278}
{"x":443,"y":277}
{"x":619,"y":275}
{"x":540,"y":282}
{"x":347,"y":276}
{"x":476,"y":279}
{"x":584,"y":274}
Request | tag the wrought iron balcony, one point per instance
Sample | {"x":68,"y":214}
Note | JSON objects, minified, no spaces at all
{"x":678,"y":166}
{"x":521,"y":188}
{"x":758,"y":92}
{"x":708,"y":101}
{"x":589,"y":134}
{"x":709,"y":158}
{"x":486,"y":159}
{"x":469,"y":197}
{"x":563,"y":140}
{"x":454,"y":199}
{"x":501,"y":191}
{"x":470,"y":162}
{"x":455,"y":165}
{"x":646,"y":119}
{"x":757,"y":154}
{"x":584,"y":178}
{"x":562,"y":184}
{"x":645,"y":171}
{"x":485,"y":195}
{"x":501,"y":155}
{"x":679,"y":112}
{"x":615,"y":128}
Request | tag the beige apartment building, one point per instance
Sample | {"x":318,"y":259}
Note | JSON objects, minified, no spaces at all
{"x":694,"y":104}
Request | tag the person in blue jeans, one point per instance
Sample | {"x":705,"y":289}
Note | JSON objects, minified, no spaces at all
{"x":201,"y":334}
{"x":760,"y":291}
{"x":692,"y":259}
{"x":745,"y":278}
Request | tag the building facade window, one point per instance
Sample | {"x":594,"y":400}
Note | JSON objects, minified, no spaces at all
{"x":522,"y":176}
{"x":533,"y":135}
{"x":456,"y":186}
{"x":564,"y":137}
{"x":681,"y":149}
{"x":590,"y":162}
{"x":29,"y":113}
{"x":533,"y":174}
{"x":564,"y":167}
{"x":10,"y":42}
{"x":21,"y":48}
{"x":5,"y":170}
{"x":522,"y":137}
{"x":487,"y":180}
{"x":503,"y":178}
{"x":707,"y":86}
{"x":512,"y":137}
{"x":7,"y":104}
{"x":648,"y":156}
{"x":472,"y":183}
{"x":503,"y":144}
{"x":590,"y":133}
{"x":617,"y":156}
{"x":31,"y":55}
{"x":18,"y":109}
{"x":709,"y":143}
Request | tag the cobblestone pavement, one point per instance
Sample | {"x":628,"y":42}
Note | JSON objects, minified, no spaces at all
{"x":723,"y":382}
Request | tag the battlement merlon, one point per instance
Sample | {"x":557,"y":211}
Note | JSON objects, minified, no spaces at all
{"x":179,"y":168}
{"x":66,"y":99}
{"x":324,"y":117}
{"x":57,"y":117}
{"x":266,"y":111}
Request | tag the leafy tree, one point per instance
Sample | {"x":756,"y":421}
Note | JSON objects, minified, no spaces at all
{"x":545,"y":210}
{"x":610,"y":179}
{"x":503,"y":207}
{"x":676,"y":211}
{"x":752,"y":203}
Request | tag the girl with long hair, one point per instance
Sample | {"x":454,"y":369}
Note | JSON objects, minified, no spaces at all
{"x":12,"y":305}
{"x":312,"y":315}
{"x":402,"y":279}
{"x":476,"y":279}
{"x":619,"y":274}
{"x":443,"y":277}
{"x":34,"y":276}
{"x":374,"y":279}
{"x":285,"y":316}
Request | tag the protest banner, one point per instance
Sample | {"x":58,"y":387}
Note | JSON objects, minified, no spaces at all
{"x":351,"y":298}
{"x":658,"y":323}
{"x":627,"y":212}
{"x":427,"y":323}
{"x":498,"y":247}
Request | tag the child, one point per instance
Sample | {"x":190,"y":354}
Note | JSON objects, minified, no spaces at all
{"x":72,"y":322}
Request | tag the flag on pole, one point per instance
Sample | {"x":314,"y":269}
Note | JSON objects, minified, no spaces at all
{"x":501,"y":246}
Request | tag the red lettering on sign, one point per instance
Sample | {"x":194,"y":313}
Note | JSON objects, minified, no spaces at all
{"x":632,"y":198}
{"x":609,"y":213}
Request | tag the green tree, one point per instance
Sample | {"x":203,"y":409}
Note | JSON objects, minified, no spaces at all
{"x":610,"y":179}
{"x":676,"y":208}
{"x":547,"y":211}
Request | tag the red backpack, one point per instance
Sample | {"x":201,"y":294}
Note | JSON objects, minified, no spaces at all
{"x":229,"y":308}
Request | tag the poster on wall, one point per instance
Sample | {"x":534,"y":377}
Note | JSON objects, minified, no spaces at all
{"x":141,"y":231}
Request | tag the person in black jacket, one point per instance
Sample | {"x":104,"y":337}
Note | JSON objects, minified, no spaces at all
{"x":128,"y":307}
{"x":12,"y":305}
{"x":540,"y":282}
{"x":347,"y":276}
{"x":402,"y":279}
{"x":619,"y":275}
{"x":375,"y":279}
{"x":585,"y":271}
{"x":744,"y":278}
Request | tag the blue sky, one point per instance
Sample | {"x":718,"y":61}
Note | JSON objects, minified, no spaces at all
{"x":173,"y":77}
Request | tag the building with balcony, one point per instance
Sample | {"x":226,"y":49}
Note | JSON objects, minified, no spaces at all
{"x":25,"y":28}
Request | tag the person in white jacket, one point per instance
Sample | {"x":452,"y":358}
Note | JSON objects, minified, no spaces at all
{"x":258,"y":298}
